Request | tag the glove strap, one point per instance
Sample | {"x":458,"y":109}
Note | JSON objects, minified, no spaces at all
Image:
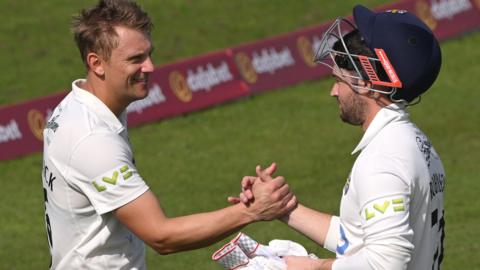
{"x":230,"y":256}
{"x":247,"y":244}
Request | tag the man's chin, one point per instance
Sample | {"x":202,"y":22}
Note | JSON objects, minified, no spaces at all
{"x":142,"y":95}
{"x":344,"y":119}
{"x":349,"y":120}
{"x":141,"y":90}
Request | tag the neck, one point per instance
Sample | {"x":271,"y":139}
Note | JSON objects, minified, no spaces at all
{"x":97,"y":87}
{"x":374,"y":105}
{"x":370,"y":115}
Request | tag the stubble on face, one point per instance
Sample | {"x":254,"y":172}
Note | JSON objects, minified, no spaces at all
{"x":352,"y":109}
{"x":351,"y":105}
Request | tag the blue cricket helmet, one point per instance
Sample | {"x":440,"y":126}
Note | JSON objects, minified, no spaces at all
{"x":410,"y":45}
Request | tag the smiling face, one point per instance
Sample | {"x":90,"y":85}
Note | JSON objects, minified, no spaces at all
{"x":352,"y":106}
{"x":127,"y":70}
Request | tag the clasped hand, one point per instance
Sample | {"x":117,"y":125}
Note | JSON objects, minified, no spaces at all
{"x":265,"y":196}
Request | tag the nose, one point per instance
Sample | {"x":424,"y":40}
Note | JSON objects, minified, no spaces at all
{"x":148,"y":65}
{"x":334,"y":90}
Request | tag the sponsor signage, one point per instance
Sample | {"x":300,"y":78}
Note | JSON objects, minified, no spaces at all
{"x":280,"y":61}
{"x":21,"y":126}
{"x":448,"y":18}
{"x":210,"y":79}
{"x":189,"y":85}
{"x":10,"y":132}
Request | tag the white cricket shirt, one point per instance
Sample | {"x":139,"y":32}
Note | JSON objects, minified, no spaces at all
{"x":392,"y":208}
{"x":88,"y":171}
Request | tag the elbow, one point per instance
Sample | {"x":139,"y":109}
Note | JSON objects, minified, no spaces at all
{"x":164,"y":251}
{"x":163,"y":247}
{"x":162,"y":239}
{"x":167,"y":239}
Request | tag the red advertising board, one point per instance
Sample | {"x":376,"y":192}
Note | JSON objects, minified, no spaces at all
{"x":21,"y":126}
{"x":189,"y":85}
{"x":447,"y":18}
{"x":280,"y":61}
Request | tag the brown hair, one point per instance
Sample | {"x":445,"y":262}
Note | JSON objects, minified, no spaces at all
{"x":356,"y":45}
{"x":94,"y":31}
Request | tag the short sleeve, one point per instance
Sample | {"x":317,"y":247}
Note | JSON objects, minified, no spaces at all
{"x":384,"y":192}
{"x":101,"y":167}
{"x":383,"y":188}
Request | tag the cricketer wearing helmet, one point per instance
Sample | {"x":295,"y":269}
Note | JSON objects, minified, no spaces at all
{"x":392,"y":206}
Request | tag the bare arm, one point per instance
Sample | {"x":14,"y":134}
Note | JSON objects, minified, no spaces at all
{"x":306,"y":263}
{"x":145,"y":217}
{"x":311,"y":223}
{"x":314,"y":225}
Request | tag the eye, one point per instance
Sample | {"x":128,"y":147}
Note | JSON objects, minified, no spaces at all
{"x":137,"y":58}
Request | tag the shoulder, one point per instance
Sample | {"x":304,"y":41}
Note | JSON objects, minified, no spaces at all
{"x":80,"y":141}
{"x":100,"y":151}
{"x":394,"y":159}
{"x":401,"y":143}
{"x":401,"y":138}
{"x":74,"y":115}
{"x":70,"y":123}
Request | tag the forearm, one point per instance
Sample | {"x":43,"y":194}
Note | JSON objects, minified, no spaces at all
{"x":145,"y":218}
{"x":199,"y":230}
{"x":309,"y":222}
{"x":326,"y":264}
{"x":306,"y":263}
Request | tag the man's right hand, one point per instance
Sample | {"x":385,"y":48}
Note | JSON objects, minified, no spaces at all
{"x":266,"y":197}
{"x":246,"y":195}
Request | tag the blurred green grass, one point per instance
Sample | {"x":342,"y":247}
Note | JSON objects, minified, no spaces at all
{"x":194,"y":162}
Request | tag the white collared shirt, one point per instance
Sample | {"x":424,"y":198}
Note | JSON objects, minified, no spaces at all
{"x":392,"y":208}
{"x":88,"y":171}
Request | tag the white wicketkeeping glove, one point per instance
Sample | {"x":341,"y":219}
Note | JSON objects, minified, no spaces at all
{"x":257,"y":256}
{"x":288,"y":248}
{"x":230,"y":256}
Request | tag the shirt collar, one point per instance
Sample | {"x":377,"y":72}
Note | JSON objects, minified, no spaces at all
{"x":391,"y":113}
{"x":99,"y":108}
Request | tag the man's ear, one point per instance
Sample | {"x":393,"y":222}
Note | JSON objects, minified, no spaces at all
{"x":364,"y":84}
{"x":95,"y":64}
{"x":375,"y":95}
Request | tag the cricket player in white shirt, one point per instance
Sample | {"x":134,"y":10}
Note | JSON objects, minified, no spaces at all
{"x":98,"y":209}
{"x":392,"y":206}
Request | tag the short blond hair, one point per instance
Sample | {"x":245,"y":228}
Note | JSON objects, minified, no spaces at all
{"x":94,"y":28}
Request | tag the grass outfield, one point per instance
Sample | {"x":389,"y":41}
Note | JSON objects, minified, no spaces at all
{"x":194,"y":162}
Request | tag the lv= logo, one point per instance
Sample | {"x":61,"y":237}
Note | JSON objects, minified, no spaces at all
{"x":124,"y":171}
{"x":397,"y":204}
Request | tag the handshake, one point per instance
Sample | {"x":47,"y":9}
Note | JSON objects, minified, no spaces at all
{"x":264,"y":196}
{"x":247,"y":254}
